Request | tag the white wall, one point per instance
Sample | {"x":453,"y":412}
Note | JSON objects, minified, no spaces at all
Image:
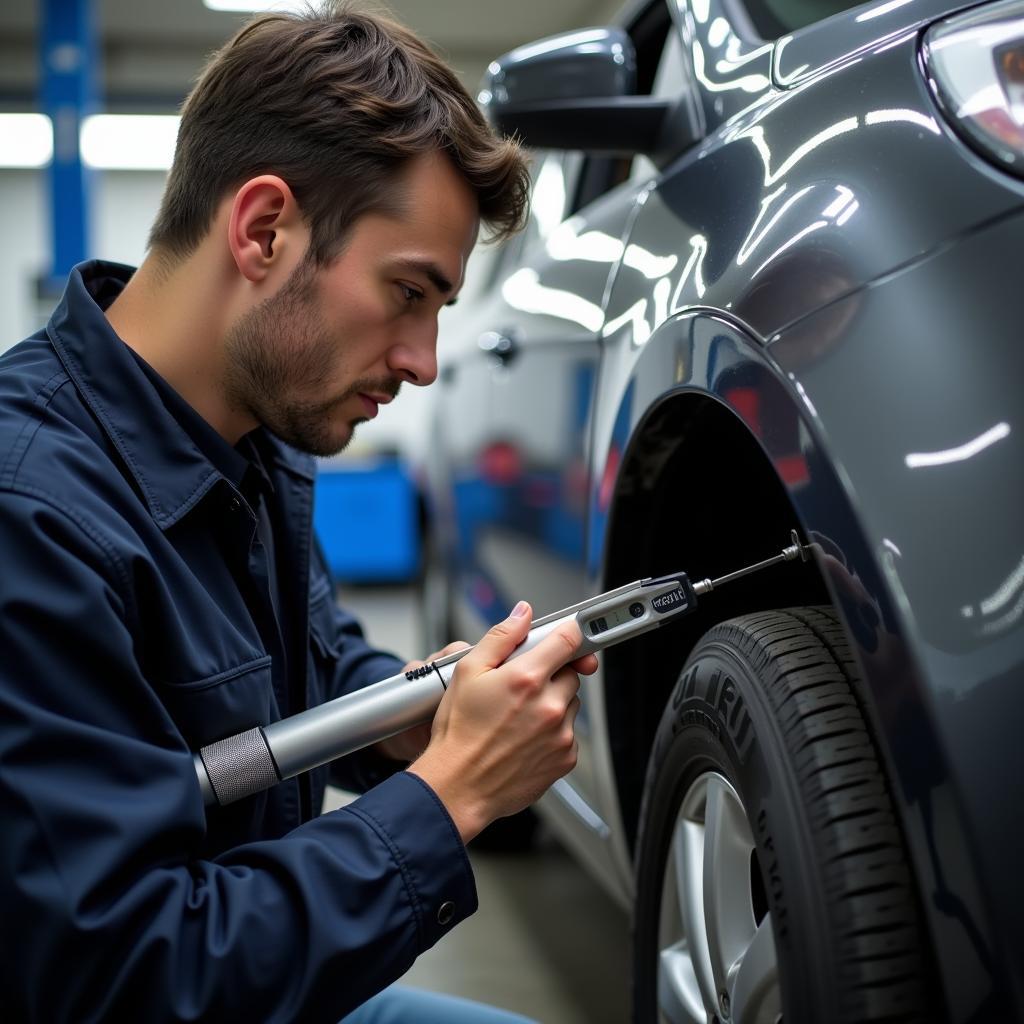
{"x":124,"y":204}
{"x":24,"y":254}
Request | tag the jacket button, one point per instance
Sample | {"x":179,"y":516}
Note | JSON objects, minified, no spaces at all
{"x":234,"y":505}
{"x":445,"y":912}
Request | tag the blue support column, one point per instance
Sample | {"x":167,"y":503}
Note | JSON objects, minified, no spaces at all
{"x":69,"y":72}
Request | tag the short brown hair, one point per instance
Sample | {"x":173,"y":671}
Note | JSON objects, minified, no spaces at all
{"x":335,"y":101}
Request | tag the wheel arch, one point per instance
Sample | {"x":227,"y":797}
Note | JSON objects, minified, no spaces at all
{"x":714,"y":472}
{"x":666,"y":520}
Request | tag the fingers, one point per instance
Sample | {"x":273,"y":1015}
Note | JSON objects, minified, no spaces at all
{"x":558,"y":648}
{"x":501,"y":639}
{"x":564,"y":686}
{"x":455,"y":645}
{"x":586,"y":666}
{"x":572,"y":711}
{"x":569,"y":743}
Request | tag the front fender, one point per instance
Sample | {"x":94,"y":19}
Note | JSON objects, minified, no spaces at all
{"x":828,"y":431}
{"x":913,"y":386}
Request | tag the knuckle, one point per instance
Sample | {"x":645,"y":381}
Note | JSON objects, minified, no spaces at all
{"x":569,"y":681}
{"x":551,"y":715}
{"x":532,"y":678}
{"x":500,"y":630}
{"x":567,"y":739}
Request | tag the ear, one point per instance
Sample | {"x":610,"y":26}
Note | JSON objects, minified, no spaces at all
{"x":266,"y":231}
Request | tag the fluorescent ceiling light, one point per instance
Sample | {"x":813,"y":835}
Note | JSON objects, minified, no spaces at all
{"x":129,"y":142}
{"x":26,"y":140}
{"x":258,"y":5}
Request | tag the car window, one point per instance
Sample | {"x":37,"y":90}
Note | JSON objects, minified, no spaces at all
{"x":669,"y":82}
{"x":657,"y":66}
{"x":774,"y":18}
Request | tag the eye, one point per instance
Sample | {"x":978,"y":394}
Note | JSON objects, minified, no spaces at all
{"x":409,"y":293}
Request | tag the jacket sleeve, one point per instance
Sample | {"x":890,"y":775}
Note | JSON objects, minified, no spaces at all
{"x":106,"y":910}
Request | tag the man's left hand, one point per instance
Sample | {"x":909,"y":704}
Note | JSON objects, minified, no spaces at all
{"x":407,"y":746}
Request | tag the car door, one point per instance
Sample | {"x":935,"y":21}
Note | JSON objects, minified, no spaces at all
{"x":521,"y":496}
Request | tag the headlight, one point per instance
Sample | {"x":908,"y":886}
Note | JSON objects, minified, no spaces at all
{"x":975,"y":65}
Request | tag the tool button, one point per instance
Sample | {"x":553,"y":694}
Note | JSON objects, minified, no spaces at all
{"x":445,"y":912}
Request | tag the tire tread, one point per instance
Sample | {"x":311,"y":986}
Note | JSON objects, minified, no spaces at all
{"x":805,"y":661}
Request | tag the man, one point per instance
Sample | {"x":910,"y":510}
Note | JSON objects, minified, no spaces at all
{"x":159,"y":587}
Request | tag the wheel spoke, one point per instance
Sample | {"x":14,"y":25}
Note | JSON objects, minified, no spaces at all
{"x":754,"y":984}
{"x":689,"y":870}
{"x":728,"y":910}
{"x":713,"y":960}
{"x":679,"y":996}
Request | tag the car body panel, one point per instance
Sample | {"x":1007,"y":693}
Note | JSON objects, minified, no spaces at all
{"x":936,"y":475}
{"x":836,"y":268}
{"x":814,"y":211}
{"x":819,"y":47}
{"x":519,"y":493}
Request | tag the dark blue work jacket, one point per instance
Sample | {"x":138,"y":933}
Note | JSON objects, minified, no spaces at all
{"x":129,"y":637}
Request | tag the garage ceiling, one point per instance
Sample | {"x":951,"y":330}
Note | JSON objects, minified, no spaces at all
{"x":152,"y":49}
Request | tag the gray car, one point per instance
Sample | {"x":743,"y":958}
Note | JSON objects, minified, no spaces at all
{"x":772,"y":280}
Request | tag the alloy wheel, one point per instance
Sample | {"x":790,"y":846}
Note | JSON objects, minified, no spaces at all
{"x":716,"y":950}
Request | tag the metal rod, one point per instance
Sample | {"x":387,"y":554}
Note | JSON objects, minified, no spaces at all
{"x":795,"y":550}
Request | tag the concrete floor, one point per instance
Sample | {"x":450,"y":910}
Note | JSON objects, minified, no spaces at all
{"x":546,"y":942}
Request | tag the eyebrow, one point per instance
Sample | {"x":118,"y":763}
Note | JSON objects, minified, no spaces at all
{"x":433,"y":274}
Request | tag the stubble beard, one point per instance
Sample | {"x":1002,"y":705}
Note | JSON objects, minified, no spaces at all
{"x":264,"y":371}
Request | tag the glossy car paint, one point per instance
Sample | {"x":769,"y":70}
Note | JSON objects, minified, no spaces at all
{"x":833,"y":266}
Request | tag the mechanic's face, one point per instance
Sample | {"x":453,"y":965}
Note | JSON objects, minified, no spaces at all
{"x":336,"y":341}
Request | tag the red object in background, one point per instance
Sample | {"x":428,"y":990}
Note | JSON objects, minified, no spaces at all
{"x":611,"y":471}
{"x":501,"y":463}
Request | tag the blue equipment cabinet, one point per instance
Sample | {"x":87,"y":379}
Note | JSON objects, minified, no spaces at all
{"x":366,"y":516}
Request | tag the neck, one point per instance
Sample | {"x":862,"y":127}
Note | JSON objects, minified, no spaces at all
{"x":176,"y":318}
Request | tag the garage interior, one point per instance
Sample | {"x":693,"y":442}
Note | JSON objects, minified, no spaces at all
{"x":547,"y":941}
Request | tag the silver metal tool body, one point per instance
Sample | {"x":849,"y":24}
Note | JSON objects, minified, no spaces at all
{"x":258,"y":758}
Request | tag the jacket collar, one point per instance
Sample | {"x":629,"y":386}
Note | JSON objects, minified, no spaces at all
{"x":171,"y":472}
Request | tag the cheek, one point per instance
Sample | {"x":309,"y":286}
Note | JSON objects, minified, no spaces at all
{"x":310,"y":351}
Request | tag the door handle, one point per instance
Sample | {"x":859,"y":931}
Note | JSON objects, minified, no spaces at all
{"x":503,"y":347}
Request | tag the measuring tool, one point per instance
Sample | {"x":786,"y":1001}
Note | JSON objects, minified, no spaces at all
{"x":259,"y":758}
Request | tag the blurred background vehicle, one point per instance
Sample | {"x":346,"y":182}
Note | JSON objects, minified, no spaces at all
{"x":770,"y":280}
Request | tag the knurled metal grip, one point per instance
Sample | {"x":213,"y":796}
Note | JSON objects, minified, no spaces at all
{"x":239,"y":766}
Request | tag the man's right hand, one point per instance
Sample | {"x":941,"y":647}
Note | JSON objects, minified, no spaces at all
{"x":504,"y":731}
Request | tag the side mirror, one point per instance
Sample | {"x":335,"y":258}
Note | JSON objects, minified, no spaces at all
{"x":574,"y":91}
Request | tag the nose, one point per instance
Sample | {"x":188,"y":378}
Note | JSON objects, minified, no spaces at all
{"x":414,"y":357}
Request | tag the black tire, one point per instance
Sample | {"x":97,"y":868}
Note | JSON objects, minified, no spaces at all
{"x":764,"y":726}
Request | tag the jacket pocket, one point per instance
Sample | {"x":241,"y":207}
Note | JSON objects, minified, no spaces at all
{"x":322,"y":627}
{"x":221,"y":704}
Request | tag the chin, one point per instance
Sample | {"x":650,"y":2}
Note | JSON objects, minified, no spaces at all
{"x":335,"y":443}
{"x":322,"y":442}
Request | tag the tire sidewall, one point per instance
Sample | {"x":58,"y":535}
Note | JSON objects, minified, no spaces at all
{"x":719,"y":719}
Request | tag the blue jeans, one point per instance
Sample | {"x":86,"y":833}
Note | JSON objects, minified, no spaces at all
{"x":401,"y":1005}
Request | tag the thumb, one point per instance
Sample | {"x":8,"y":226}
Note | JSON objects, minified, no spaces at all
{"x":502,"y":638}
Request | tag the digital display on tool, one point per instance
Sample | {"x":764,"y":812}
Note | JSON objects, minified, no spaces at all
{"x":258,"y":758}
{"x":614,"y":617}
